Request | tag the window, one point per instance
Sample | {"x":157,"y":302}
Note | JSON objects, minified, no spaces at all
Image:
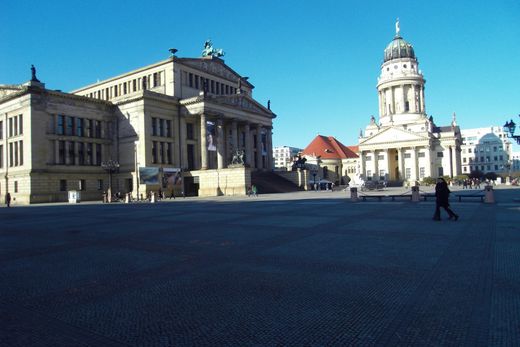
{"x":98,"y":129}
{"x":16,"y":186}
{"x":190,"y":80}
{"x":408,"y":173}
{"x":15,"y":127}
{"x":380,"y":157}
{"x":154,"y":152}
{"x":79,"y":126}
{"x":369,"y":175}
{"x":21,"y":152}
{"x":144,"y":83}
{"x":1,"y":156}
{"x":16,"y":154}
{"x":325,"y":172}
{"x":169,"y":128}
{"x":189,"y":131}
{"x":463,"y":160}
{"x":440,"y":155}
{"x":99,"y":184}
{"x":496,"y":167}
{"x":82,"y":185}
{"x":63,"y":185}
{"x":407,"y":155}
{"x":421,"y":155}
{"x":156,"y":79}
{"x":124,"y":88}
{"x":161,"y":152}
{"x":89,"y":154}
{"x":169,"y":153}
{"x":196,"y":82}
{"x":60,"y":130}
{"x":98,"y":154}
{"x":494,"y":148}
{"x":72,"y":153}
{"x":161,"y":127}
{"x":212,"y":86}
{"x":81,"y":153}
{"x":368,"y":158}
{"x":70,"y":126}
{"x":154,"y":126}
{"x":421,"y":172}
{"x":134,"y":85}
{"x":406,"y":106}
{"x":1,"y":130}
{"x":115,"y":91}
{"x":20,"y":124}
{"x":501,"y":157}
{"x":61,"y":152}
{"x":382,"y":173}
{"x":441,"y":172}
{"x":469,"y":150}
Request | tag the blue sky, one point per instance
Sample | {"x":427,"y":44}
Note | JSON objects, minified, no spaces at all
{"x":317,"y":61}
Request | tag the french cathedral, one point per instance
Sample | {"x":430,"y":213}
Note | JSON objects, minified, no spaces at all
{"x":404,"y":144}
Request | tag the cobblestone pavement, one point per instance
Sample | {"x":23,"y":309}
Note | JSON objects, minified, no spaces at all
{"x":299,"y":270}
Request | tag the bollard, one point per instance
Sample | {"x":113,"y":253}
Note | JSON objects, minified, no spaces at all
{"x":490,"y":195}
{"x":152,"y":197}
{"x":415,"y":194}
{"x":353,"y":194}
{"x":127,"y":198}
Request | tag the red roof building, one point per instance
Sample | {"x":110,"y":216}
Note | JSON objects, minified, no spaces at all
{"x":327,"y":147}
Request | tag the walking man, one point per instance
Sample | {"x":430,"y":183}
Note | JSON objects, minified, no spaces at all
{"x":8,"y":199}
{"x":442,"y":194}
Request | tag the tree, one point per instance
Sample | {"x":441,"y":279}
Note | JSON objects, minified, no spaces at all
{"x":476,"y":174}
{"x":492,"y":176}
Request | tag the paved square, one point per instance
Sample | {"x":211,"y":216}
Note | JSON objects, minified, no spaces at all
{"x":298,"y":269}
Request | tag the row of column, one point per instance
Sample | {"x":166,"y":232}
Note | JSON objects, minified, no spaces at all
{"x":235,"y":144}
{"x":387,"y":99}
{"x":401,"y":167}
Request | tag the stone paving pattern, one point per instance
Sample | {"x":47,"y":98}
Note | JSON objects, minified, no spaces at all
{"x":300,"y":269}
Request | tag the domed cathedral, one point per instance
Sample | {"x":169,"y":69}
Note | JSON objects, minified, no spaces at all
{"x":405,"y":144}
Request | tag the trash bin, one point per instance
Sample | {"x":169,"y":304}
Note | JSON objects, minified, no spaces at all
{"x":74,"y":196}
{"x":353,"y":194}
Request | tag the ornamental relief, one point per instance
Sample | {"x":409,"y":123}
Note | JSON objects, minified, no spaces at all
{"x":214,"y":68}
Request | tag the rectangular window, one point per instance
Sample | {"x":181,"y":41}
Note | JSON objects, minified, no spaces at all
{"x":81,"y":153}
{"x":154,"y":152}
{"x":212,"y":86}
{"x":70,"y":126}
{"x":155,"y":79}
{"x":98,"y":154}
{"x":217,"y":88}
{"x":501,"y":157}
{"x":16,"y":186}
{"x":61,"y":152}
{"x":169,"y":153}
{"x":469,"y":150}
{"x":408,"y":173}
{"x":15,"y":126}
{"x":463,"y":160}
{"x":495,"y":158}
{"x":1,"y":156}
{"x":380,"y":157}
{"x":124,"y":88}
{"x":190,"y":80}
{"x":382,"y":173}
{"x":196,"y":82}
{"x":440,"y":155}
{"x":407,"y":155}
{"x":115,"y":91}
{"x":144,"y":83}
{"x":154,"y":126}
{"x":496,"y":167}
{"x":20,"y":124}
{"x":169,"y":128}
{"x":1,"y":130}
{"x":21,"y":152}
{"x":98,"y":129}
{"x":134,"y":85}
{"x":406,"y":106}
{"x":79,"y":126}
{"x":369,"y":174}
{"x":494,"y":148}
{"x":227,"y":89}
{"x":162,"y":156}
{"x":72,"y":153}
{"x":63,"y":185}
{"x":60,"y":130}
{"x":367,"y":158}
{"x":488,"y":167}
{"x":82,"y":185}
{"x":161,"y":127}
{"x":441,"y":172}
{"x":421,"y":172}
{"x":15,"y":154}
{"x":89,"y":154}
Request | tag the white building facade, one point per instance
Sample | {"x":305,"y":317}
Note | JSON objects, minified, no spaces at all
{"x":404,"y":144}
{"x":283,"y":157}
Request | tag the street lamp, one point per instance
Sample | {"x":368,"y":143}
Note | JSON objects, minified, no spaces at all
{"x":110,"y":166}
{"x":509,"y":129}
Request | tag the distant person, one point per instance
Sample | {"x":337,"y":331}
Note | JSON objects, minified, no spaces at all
{"x":8,"y":199}
{"x":442,"y":194}
{"x":254,"y":190}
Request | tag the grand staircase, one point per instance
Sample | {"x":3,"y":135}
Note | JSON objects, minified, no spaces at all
{"x":269,"y":182}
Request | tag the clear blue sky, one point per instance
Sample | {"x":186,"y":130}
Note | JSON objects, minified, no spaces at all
{"x":317,"y":61}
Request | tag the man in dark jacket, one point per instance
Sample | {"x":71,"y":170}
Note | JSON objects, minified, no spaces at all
{"x":442,"y":194}
{"x":8,"y":199}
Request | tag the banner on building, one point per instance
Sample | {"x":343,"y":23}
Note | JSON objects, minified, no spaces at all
{"x":211,"y":134}
{"x":149,"y":175}
{"x":171,"y":177}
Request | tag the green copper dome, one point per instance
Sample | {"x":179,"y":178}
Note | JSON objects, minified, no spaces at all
{"x":398,"y":48}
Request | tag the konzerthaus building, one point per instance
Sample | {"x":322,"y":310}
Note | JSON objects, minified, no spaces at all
{"x":189,"y":116}
{"x":405,"y":144}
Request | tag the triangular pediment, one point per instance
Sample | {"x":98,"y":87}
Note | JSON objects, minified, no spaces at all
{"x":244,"y":102}
{"x":392,"y":135}
{"x":214,"y":66}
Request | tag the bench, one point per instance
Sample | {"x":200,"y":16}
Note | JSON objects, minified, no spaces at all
{"x":460,"y":196}
{"x":380,"y":197}
{"x":408,"y":196}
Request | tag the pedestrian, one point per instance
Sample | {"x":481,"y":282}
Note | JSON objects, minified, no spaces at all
{"x":465,"y":184}
{"x":254,"y":190}
{"x":249,"y":191}
{"x":8,"y":199}
{"x":442,"y":194}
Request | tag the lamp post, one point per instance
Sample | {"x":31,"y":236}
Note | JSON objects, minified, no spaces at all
{"x":509,"y":129}
{"x":110,"y":166}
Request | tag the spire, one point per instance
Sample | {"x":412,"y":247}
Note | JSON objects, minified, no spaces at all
{"x":397,"y":28}
{"x":454,"y":120}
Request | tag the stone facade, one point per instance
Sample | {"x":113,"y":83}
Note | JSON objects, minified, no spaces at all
{"x":189,"y":114}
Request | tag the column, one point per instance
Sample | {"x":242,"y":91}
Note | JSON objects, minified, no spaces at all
{"x":376,"y":164}
{"x":380,"y":103}
{"x":362,"y":164}
{"x":55,"y":130}
{"x":248,"y":149}
{"x":400,"y":163}
{"x":203,"y":143}
{"x":415,"y":175}
{"x":234,"y":135}
{"x":270,"y":148}
{"x":94,"y":153}
{"x":403,"y":108}
{"x":423,"y":110}
{"x":259,"y":147}
{"x":392,"y":101}
{"x":387,"y":155}
{"x":428,"y":166}
{"x":220,"y":144}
